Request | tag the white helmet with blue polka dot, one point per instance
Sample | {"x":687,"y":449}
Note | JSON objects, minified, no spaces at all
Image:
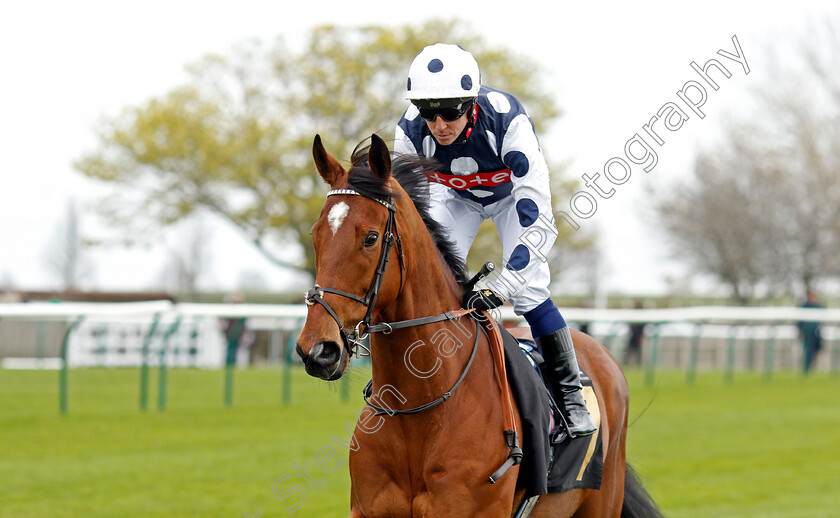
{"x":443,"y":71}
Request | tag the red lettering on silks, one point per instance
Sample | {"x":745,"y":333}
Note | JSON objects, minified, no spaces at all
{"x":467,"y":181}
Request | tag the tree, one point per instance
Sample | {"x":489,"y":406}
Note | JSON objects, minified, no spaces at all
{"x":237,"y":139}
{"x":761,"y":210}
{"x":804,"y":123}
{"x":251,"y":281}
{"x":66,"y":252}
{"x":189,"y":258}
{"x":716,"y":222}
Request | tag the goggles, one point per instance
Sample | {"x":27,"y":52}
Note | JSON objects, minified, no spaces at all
{"x":448,"y":114}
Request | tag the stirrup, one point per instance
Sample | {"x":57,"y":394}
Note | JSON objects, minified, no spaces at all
{"x":584,"y":418}
{"x":560,"y":432}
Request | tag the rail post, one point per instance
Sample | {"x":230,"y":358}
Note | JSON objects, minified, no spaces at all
{"x":751,"y":333}
{"x":729,"y":372}
{"x":650,"y":376}
{"x":769,"y":352}
{"x":287,"y":364}
{"x":63,"y":373}
{"x":144,"y":365}
{"x":693,"y":352}
{"x":162,"y":368}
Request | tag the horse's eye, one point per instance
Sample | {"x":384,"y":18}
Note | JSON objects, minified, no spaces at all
{"x":370,"y":239}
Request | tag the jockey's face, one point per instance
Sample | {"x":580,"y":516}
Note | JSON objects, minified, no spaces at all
{"x":446,"y":132}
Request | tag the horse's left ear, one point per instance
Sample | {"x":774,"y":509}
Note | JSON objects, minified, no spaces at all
{"x":379,"y":157}
{"x":328,"y":167}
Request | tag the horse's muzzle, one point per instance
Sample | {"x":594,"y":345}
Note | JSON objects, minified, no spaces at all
{"x":326,"y":360}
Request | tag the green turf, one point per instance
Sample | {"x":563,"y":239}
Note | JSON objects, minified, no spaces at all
{"x":747,"y":448}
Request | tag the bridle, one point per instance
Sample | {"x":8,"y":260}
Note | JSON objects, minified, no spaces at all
{"x":389,"y":238}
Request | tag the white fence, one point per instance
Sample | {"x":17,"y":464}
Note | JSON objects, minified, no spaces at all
{"x":129,"y":334}
{"x":141,"y":333}
{"x":163,"y":334}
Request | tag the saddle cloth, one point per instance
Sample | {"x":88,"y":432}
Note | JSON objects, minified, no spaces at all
{"x":576,"y":463}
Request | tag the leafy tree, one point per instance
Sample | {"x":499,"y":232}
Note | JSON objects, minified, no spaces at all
{"x":236,"y":140}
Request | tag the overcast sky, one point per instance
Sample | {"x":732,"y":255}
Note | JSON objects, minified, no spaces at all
{"x":65,"y":65}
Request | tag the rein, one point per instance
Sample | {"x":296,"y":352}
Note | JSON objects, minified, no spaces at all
{"x":422,"y":408}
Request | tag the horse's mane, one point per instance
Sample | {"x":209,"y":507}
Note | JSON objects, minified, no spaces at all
{"x":408,"y":171}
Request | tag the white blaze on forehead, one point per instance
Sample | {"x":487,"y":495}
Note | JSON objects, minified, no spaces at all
{"x":337,"y":214}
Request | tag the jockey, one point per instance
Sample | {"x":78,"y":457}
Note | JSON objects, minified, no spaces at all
{"x":491,"y":166}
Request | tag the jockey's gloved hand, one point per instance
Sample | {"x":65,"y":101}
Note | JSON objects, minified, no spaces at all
{"x":483,"y":300}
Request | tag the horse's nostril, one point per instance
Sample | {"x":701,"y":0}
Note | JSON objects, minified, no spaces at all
{"x":325,"y":353}
{"x":304,"y":357}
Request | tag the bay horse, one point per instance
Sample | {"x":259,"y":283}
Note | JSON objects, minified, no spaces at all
{"x":385,"y":268}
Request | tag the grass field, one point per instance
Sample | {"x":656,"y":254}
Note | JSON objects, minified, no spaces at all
{"x":748,"y":448}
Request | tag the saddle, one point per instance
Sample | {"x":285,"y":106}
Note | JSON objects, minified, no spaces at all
{"x":572,"y":464}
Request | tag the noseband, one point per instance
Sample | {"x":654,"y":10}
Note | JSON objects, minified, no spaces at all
{"x":389,"y":238}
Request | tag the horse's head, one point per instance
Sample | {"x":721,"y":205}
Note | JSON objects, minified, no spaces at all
{"x":355,"y":238}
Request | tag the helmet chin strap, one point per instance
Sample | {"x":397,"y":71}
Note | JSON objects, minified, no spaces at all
{"x":468,"y":129}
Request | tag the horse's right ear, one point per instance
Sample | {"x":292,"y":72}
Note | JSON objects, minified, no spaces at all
{"x":328,"y":167}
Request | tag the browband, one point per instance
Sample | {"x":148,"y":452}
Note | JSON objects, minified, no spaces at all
{"x":387,"y":205}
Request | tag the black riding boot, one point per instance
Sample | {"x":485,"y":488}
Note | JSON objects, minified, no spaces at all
{"x":563,"y":376}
